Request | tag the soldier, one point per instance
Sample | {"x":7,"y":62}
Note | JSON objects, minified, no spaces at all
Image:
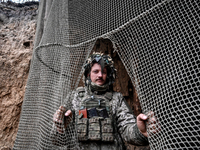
{"x":102,"y":116}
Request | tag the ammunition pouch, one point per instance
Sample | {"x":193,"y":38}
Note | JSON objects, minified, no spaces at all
{"x":82,"y":129}
{"x":107,"y":130}
{"x":94,"y":129}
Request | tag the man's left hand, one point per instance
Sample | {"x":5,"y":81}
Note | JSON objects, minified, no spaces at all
{"x":151,"y":121}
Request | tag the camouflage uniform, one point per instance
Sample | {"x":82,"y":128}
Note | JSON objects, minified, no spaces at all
{"x":124,"y":122}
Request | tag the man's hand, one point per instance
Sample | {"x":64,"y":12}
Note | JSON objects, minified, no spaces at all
{"x":141,"y":118}
{"x":151,"y":121}
{"x":58,"y":118}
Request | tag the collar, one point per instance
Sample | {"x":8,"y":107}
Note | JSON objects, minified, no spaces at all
{"x":98,"y":89}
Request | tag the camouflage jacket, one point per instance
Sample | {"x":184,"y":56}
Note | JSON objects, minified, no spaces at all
{"x":125,"y":127}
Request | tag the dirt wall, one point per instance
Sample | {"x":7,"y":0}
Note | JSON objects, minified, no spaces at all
{"x":17,"y":30}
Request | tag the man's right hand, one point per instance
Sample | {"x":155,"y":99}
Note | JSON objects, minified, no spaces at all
{"x":58,"y":119}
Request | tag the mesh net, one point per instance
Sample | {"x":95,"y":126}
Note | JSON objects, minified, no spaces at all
{"x":158,"y":43}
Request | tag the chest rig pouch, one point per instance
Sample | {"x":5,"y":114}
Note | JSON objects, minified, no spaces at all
{"x":94,"y":122}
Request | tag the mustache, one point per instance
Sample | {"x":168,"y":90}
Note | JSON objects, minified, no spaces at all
{"x":100,"y":79}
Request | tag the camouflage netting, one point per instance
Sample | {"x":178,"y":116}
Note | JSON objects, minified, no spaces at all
{"x":158,"y":43}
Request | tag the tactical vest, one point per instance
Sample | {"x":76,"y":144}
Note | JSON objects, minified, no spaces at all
{"x":94,"y":122}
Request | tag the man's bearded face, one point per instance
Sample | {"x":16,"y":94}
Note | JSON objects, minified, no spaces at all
{"x":97,"y":76}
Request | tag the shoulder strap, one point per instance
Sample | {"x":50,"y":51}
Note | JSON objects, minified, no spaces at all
{"x":81,"y":91}
{"x":109,"y":95}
